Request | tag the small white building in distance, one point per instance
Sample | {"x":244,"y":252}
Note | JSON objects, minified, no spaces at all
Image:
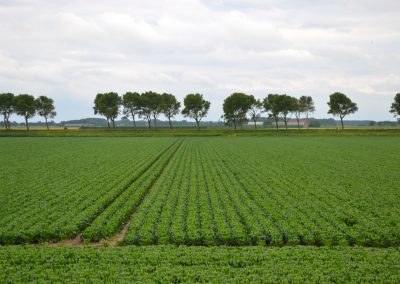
{"x":293,"y":122}
{"x":258,"y":123}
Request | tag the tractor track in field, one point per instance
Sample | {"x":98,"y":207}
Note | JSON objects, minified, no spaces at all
{"x":116,"y":239}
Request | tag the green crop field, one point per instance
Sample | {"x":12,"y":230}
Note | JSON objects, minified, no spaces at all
{"x":201,"y":194}
{"x":202,"y":191}
{"x":169,"y":264}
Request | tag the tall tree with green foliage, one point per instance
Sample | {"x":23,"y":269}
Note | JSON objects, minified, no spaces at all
{"x":255,"y":110}
{"x":6,"y":108}
{"x":170,"y":106}
{"x":395,"y":107}
{"x":25,"y":106}
{"x":271,"y":105}
{"x":287,"y":104}
{"x":195,"y":107}
{"x":151,"y":106}
{"x":45,"y":107}
{"x":306,"y":106}
{"x":297,"y":111}
{"x":235,"y":108}
{"x":145,"y":110}
{"x":108,"y":105}
{"x":341,"y":105}
{"x":131,"y":103}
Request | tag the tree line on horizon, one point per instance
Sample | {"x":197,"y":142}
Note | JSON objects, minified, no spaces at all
{"x":26,"y":106}
{"x":150,"y":105}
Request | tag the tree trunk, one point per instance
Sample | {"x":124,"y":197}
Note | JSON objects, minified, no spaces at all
{"x":307,"y":119}
{"x":234,"y":125}
{"x":133,"y":117}
{"x":155,"y":122}
{"x":26,"y":123}
{"x":276,"y":123}
{"x":47,"y":125}
{"x":8,"y":124}
{"x":108,"y":122}
{"x":198,"y":124}
{"x":298,"y":122}
{"x":149,"y":122}
{"x":169,"y":120}
{"x":285,"y":122}
{"x":341,"y":121}
{"x":255,"y":124}
{"x":5,"y":123}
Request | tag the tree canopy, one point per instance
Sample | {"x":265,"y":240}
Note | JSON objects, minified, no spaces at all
{"x":279,"y":106}
{"x":306,"y":106}
{"x":297,"y":111}
{"x":150,"y":106}
{"x":25,"y":106}
{"x":255,"y":110}
{"x":45,"y":107}
{"x":287,"y":104}
{"x":235,"y":108}
{"x":131,"y":103}
{"x":6,"y":108}
{"x":272,"y":107}
{"x":108,"y":105}
{"x":195,"y":107}
{"x":169,"y":106}
{"x":395,"y":107}
{"x":340,"y":105}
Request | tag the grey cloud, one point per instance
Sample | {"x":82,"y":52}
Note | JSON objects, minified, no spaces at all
{"x":71,"y":50}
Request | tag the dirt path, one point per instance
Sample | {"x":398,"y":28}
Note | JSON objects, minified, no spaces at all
{"x":120,"y":237}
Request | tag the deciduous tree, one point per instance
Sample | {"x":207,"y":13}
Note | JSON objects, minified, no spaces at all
{"x":25,"y":106}
{"x":108,"y":105}
{"x":151,"y":106}
{"x":297,"y":111}
{"x":6,"y":108}
{"x":235,"y":108}
{"x":287,"y":104}
{"x":340,"y":105}
{"x":195,"y":107}
{"x":45,"y":107}
{"x":271,"y":105}
{"x":170,"y":106}
{"x":306,"y":106}
{"x":255,"y":110}
{"x":131,"y":103}
{"x":395,"y":107}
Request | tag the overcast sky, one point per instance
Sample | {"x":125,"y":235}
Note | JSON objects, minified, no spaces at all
{"x":72,"y":50}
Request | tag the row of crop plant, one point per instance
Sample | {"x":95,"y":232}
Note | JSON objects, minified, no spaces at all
{"x":59,"y":205}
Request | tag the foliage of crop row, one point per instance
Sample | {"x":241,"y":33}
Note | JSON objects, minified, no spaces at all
{"x":53,"y":188}
{"x":275,"y":191}
{"x":202,"y":191}
{"x":111,"y":220}
{"x":170,"y":264}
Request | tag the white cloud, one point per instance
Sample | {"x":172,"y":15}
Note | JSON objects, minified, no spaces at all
{"x":74,"y":49}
